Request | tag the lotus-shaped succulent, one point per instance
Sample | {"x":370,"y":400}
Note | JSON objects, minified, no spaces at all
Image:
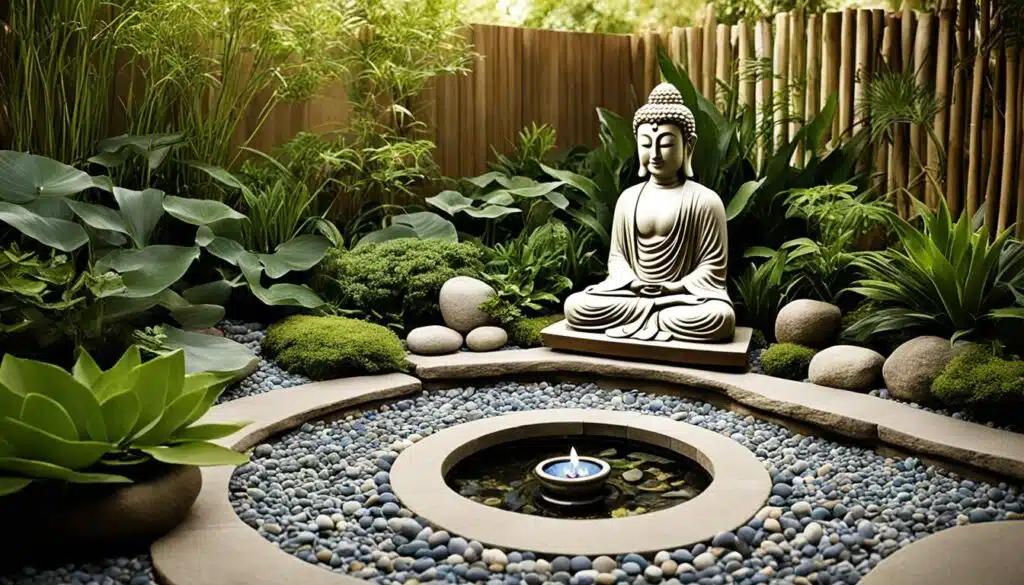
{"x":91,"y":426}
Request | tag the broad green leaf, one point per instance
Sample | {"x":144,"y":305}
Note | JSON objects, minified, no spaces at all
{"x":557,"y":199}
{"x":515,"y":182}
{"x":392,"y":232}
{"x":45,"y":413}
{"x":116,"y":307}
{"x":492,"y":212}
{"x":208,"y":353}
{"x":12,"y":485}
{"x":10,"y":402}
{"x":450,"y":202}
{"x":173,"y":418}
{"x":537,"y":190}
{"x":297,"y":254}
{"x":153,"y":147}
{"x":499,"y":197}
{"x":119,"y":378}
{"x":198,"y":453}
{"x":741,"y":199}
{"x":428,"y":226}
{"x":157,"y":382}
{"x":25,"y":377}
{"x":141,"y":211}
{"x":121,"y":414}
{"x":151,"y":270}
{"x":758,"y":252}
{"x":199,"y":211}
{"x":31,"y":442}
{"x":226,"y":249}
{"x":53,"y":232}
{"x":219,"y":174}
{"x":85,"y":370}
{"x":209,"y":432}
{"x":484,"y":180}
{"x":206,"y":379}
{"x":47,"y":470}
{"x":620,"y":131}
{"x":99,"y":217}
{"x":578,"y":181}
{"x":198,"y":316}
{"x":26,"y":177}
{"x":210,"y":396}
{"x":217,"y":292}
{"x":821,"y":123}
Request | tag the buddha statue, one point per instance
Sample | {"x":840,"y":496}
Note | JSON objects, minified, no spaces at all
{"x":669,"y":248}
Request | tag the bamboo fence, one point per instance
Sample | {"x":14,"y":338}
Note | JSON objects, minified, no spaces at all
{"x":969,"y":155}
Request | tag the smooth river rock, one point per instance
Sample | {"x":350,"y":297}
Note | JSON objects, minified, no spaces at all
{"x":487,"y":338}
{"x":807,"y":322}
{"x":913,"y":366}
{"x":434,"y":340}
{"x":460,"y":299}
{"x":846,"y":367}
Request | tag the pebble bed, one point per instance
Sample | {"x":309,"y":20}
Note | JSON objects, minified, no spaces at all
{"x":322,"y":493}
{"x":268,"y":376}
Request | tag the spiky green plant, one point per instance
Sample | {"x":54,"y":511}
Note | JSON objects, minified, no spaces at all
{"x":944,"y":279}
{"x":92,"y":426}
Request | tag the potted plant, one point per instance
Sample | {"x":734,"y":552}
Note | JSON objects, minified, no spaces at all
{"x":100,"y":461}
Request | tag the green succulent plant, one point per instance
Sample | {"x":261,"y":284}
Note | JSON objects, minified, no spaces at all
{"x":91,"y":425}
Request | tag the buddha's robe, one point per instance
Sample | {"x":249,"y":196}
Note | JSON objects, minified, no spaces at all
{"x":693,"y":252}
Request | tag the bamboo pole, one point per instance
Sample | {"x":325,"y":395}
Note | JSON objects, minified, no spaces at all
{"x":797,"y":78}
{"x":957,"y":116}
{"x":881,"y":149}
{"x":974,"y":161}
{"x":675,"y":45}
{"x":1009,"y":139}
{"x":918,"y":133}
{"x":813,"y":103}
{"x":763,"y":94}
{"x":862,"y":69}
{"x":831,"y":31}
{"x":747,"y":69}
{"x":995,"y":154}
{"x":1020,"y":150}
{"x":942,"y":94}
{"x":722,"y":60}
{"x":708,"y":52}
{"x":694,"y":43}
{"x":780,"y":79}
{"x":848,"y":42}
{"x":896,"y":178}
{"x":652,"y":72}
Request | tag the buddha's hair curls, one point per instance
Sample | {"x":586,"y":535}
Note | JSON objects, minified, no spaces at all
{"x":665,"y":105}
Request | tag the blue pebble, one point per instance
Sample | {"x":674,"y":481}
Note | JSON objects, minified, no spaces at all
{"x":833,"y":551}
{"x":635,"y":558}
{"x":777,"y":501}
{"x":515,"y":557}
{"x":746,"y":534}
{"x":977,"y":516}
{"x":422,"y":564}
{"x":723,"y":539}
{"x":390,"y":509}
{"x":631,"y":568}
{"x":478,"y":574}
{"x":820,"y":514}
{"x":578,"y":563}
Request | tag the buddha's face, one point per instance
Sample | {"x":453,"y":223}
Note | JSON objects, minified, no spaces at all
{"x":663,"y":151}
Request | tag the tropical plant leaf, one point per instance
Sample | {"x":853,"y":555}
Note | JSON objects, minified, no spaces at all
{"x":151,"y":270}
{"x":43,"y":412}
{"x":85,"y":370}
{"x":121,"y":414}
{"x":298,"y":254}
{"x":23,"y":377}
{"x":99,"y":217}
{"x":491,"y":212}
{"x":31,"y":442}
{"x":209,"y":432}
{"x":208,"y":353}
{"x":27,"y":177}
{"x":198,"y":316}
{"x":12,"y":485}
{"x":199,"y":211}
{"x":216,"y":292}
{"x":741,"y":200}
{"x":578,"y":181}
{"x":450,"y":202}
{"x":196,"y":453}
{"x":46,"y":470}
{"x":173,"y":418}
{"x":141,"y":211}
{"x":61,"y":234}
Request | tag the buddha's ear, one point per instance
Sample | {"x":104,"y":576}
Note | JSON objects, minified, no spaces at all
{"x":688,"y":163}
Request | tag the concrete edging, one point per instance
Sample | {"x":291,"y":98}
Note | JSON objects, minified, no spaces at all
{"x":740,"y":485}
{"x":213,"y":546}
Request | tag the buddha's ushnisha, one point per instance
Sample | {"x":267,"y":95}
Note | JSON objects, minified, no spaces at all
{"x":669,"y":247}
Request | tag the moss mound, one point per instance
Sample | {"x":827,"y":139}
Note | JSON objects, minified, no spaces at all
{"x":787,"y":360}
{"x":526,"y":332}
{"x":394,"y":283}
{"x":980,"y":380}
{"x":322,"y":348}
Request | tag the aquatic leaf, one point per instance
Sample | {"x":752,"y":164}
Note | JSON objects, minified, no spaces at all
{"x":607,"y":453}
{"x":653,"y":485}
{"x":648,"y":458}
{"x":494,"y":502}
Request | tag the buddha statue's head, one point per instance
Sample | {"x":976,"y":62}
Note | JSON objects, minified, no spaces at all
{"x":666,"y":133}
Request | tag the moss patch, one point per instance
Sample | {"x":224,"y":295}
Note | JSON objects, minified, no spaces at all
{"x":323,"y":348}
{"x":980,"y":380}
{"x":787,"y":360}
{"x":526,"y":332}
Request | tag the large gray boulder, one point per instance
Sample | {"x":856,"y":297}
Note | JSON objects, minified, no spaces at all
{"x":913,"y":366}
{"x":460,"y":300}
{"x":486,"y":338}
{"x":807,"y":322}
{"x":846,"y":367}
{"x":434,"y":340}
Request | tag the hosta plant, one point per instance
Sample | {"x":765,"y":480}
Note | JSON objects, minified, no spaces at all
{"x":945,"y":279}
{"x":93,"y":426}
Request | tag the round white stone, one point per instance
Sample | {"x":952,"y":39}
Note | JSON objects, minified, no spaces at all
{"x":460,"y":301}
{"x":433,"y":340}
{"x":487,"y":338}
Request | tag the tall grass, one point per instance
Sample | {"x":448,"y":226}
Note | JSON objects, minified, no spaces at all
{"x":57,"y":65}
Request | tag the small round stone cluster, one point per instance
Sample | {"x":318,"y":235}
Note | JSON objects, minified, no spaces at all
{"x":665,"y":104}
{"x":323,"y":494}
{"x":137,"y":570}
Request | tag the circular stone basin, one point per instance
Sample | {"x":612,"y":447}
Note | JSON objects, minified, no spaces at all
{"x":738,"y":489}
{"x":641,"y":478}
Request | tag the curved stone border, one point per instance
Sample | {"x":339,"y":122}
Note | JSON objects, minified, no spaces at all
{"x":739,"y":488}
{"x":976,"y":553}
{"x":855,"y":415}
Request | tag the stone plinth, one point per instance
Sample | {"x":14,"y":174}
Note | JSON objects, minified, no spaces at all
{"x":732,"y":354}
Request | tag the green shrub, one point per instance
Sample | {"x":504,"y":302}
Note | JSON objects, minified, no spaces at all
{"x":787,"y":360}
{"x":526,"y":332}
{"x":979,"y":379}
{"x":323,"y":348}
{"x":394,"y":283}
